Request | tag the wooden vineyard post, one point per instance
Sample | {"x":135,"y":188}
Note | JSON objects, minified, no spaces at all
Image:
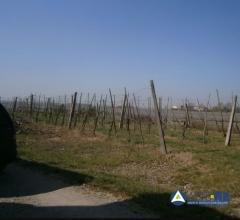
{"x":113,"y":114}
{"x":230,"y":125}
{"x":104,"y":111}
{"x":46,"y":109}
{"x":98,"y":108}
{"x":64,"y":109}
{"x":219,"y":106}
{"x":27,"y":107}
{"x":72,"y":110}
{"x":139,"y":118}
{"x":184,"y":126}
{"x":205,"y":131}
{"x":163,"y":148}
{"x":160,"y":105}
{"x":187,"y":115}
{"x":186,"y":123}
{"x":50,"y":116}
{"x":38,"y":109}
{"x":236,"y":122}
{"x":78,"y":114}
{"x":128,"y":117}
{"x":31,"y":105}
{"x":53,"y":111}
{"x":123,"y":110}
{"x":133,"y":116}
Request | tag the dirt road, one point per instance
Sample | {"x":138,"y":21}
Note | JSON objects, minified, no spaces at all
{"x":25,"y":192}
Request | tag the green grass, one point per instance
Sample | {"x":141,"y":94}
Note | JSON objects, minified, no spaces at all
{"x":138,"y":170}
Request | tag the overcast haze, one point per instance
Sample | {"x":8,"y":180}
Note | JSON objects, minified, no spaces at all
{"x":189,"y":48}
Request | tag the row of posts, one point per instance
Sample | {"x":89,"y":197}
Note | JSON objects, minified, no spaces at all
{"x":157,"y":110}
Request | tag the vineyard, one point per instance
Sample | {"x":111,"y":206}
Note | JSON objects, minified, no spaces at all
{"x":134,"y":146}
{"x":136,"y":117}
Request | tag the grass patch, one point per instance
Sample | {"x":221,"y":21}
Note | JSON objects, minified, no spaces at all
{"x":139,"y":170}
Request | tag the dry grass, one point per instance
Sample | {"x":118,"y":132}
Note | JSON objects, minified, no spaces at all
{"x":133,"y":168}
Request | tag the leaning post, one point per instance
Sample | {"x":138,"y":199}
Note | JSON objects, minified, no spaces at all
{"x":72,"y":110}
{"x":230,"y":125}
{"x":163,"y":147}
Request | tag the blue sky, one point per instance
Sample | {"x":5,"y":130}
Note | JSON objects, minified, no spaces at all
{"x":189,"y":48}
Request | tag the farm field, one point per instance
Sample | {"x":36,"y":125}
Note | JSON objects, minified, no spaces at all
{"x":140,"y":151}
{"x":137,"y":170}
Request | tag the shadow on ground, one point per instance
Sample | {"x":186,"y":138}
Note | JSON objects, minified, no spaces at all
{"x":18,"y":180}
{"x":15,"y":182}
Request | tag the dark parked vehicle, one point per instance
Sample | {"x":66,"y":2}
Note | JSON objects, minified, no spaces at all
{"x":7,"y":138}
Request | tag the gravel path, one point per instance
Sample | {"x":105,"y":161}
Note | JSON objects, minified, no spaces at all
{"x":25,"y":192}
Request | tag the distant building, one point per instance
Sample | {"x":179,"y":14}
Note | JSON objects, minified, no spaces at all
{"x":174,"y":107}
